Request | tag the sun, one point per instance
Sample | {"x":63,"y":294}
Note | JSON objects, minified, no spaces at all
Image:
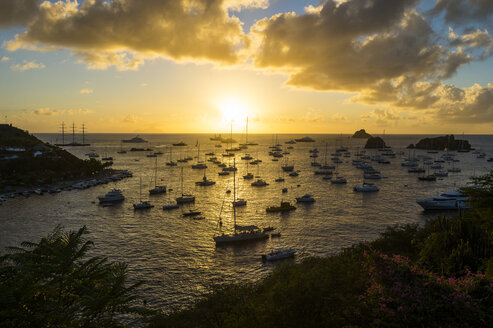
{"x":233,"y":110}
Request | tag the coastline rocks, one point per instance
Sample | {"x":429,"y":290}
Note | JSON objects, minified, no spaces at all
{"x":361,"y":134}
{"x":441,"y":143}
{"x":375,"y":142}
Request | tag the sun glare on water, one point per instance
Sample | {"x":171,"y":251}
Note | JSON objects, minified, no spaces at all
{"x":233,"y":109}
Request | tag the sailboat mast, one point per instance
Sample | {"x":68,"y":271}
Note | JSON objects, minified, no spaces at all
{"x":182,"y":180}
{"x":234,"y":194}
{"x":246,"y":132}
{"x":140,"y":193}
{"x":155,"y":173}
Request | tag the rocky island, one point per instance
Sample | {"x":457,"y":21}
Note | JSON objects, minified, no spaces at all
{"x":441,"y":143}
{"x":375,"y":143}
{"x":361,"y":134}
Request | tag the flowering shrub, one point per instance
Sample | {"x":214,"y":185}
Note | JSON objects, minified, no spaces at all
{"x":403,"y":294}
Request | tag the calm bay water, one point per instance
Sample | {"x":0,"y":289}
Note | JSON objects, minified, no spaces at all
{"x":177,"y":257}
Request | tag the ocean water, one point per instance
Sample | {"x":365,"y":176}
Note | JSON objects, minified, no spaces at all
{"x":177,"y":257}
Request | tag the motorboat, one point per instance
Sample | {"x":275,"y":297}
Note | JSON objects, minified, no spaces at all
{"x":338,"y":180}
{"x":113,"y":196}
{"x":284,"y":207}
{"x":185,"y":199}
{"x":279,"y":254}
{"x":427,"y":178}
{"x":410,"y":164}
{"x":294,"y":174}
{"x":180,"y":144}
{"x":239,"y":202}
{"x":143,"y":206}
{"x":199,"y":166}
{"x":170,"y":206}
{"x":248,"y":176}
{"x":259,"y":183}
{"x":450,"y":200}
{"x":373,"y":176}
{"x":307,"y":198}
{"x":366,"y":187}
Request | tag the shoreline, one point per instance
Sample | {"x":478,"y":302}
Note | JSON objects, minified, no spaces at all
{"x":102,"y":177}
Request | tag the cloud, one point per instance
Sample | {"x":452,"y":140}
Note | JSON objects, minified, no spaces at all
{"x":122,"y":33}
{"x":4,"y":59}
{"x":338,"y":117}
{"x":86,"y":91}
{"x":382,"y":117}
{"x":238,"y":5}
{"x":130,"y":119}
{"x":27,"y":65}
{"x":46,"y":111}
{"x":17,"y":12}
{"x":460,"y":12}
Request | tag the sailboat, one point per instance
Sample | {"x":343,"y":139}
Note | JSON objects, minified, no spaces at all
{"x":142,"y":205}
{"x":249,"y":175}
{"x":170,"y":163}
{"x":184,"y":198}
{"x":246,"y":137}
{"x":170,"y":206}
{"x":157,"y":189}
{"x":259,"y":182}
{"x":240,"y":233}
{"x":199,"y":164}
{"x":121,"y":151}
{"x":205,"y":182}
{"x":239,"y":201}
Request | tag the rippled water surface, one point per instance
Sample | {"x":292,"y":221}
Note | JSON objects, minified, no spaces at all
{"x":177,"y":257}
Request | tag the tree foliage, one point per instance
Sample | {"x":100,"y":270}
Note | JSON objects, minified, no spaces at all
{"x":52,"y":283}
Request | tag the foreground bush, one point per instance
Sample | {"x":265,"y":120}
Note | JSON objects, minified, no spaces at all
{"x":53,"y":284}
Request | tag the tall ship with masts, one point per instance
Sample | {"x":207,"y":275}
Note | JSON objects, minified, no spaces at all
{"x":73,"y":143}
{"x":240,"y":233}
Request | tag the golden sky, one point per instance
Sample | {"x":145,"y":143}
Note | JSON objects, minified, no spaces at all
{"x":193,"y":66}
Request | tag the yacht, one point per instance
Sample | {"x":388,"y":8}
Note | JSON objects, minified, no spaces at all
{"x":248,"y":176}
{"x":199,"y":166}
{"x":294,"y":174}
{"x":279,"y":253}
{"x":450,"y":200}
{"x":366,"y":187}
{"x":305,"y":199}
{"x":136,"y":139}
{"x":113,"y":196}
{"x":410,"y":164}
{"x":180,"y":144}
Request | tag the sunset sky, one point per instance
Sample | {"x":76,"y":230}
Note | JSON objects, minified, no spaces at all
{"x":291,"y":66}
